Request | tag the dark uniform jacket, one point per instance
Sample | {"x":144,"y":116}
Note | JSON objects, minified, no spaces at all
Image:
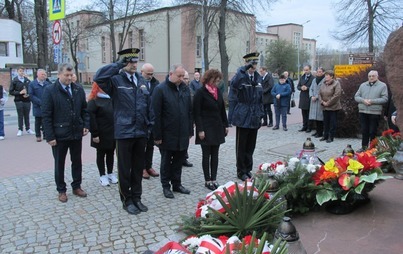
{"x":101,"y":125}
{"x":17,"y":86}
{"x":64,"y":117}
{"x":210,"y":116}
{"x":304,"y":100}
{"x":35,"y":91}
{"x":133,"y":115}
{"x":248,"y":112}
{"x":173,"y":115}
{"x":267,"y":85}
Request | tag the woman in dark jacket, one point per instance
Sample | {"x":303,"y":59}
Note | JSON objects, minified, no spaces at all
{"x":211,"y":124}
{"x":101,"y":128}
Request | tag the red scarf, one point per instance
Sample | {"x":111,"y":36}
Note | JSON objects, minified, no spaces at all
{"x":213,"y":90}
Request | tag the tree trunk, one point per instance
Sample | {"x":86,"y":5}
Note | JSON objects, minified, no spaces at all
{"x":112,"y":29}
{"x":221,"y":41}
{"x":371,"y":11}
{"x":206,"y":36}
{"x":10,"y":8}
{"x":42,"y":32}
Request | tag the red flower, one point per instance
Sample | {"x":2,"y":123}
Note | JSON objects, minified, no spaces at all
{"x":342,"y":163}
{"x":387,"y":132}
{"x":247,"y":239}
{"x":396,"y":135}
{"x":323,"y":175}
{"x":369,"y":161}
{"x":223,"y":239}
{"x":373,"y":143}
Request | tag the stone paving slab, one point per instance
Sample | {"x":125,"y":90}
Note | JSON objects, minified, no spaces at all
{"x":34,"y":221}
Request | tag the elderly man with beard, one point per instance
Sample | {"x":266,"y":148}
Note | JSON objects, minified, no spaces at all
{"x":133,"y":121}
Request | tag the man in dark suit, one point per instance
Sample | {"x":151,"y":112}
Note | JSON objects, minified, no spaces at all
{"x":304,"y":84}
{"x":65,"y":122}
{"x":267,"y":84}
{"x":173,"y":127}
{"x":147,"y":71}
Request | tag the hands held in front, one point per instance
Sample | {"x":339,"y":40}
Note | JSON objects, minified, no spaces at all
{"x":278,"y":96}
{"x":95,"y":140}
{"x":367,"y":102}
{"x":201,"y":135}
{"x":85,"y":131}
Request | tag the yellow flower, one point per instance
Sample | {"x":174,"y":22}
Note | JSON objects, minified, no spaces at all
{"x":354,"y":166}
{"x":330,"y":166}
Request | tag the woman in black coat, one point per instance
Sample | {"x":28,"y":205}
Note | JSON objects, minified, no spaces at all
{"x":101,"y":128}
{"x":211,"y":124}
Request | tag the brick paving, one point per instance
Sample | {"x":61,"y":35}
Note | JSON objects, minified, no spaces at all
{"x":34,"y":221}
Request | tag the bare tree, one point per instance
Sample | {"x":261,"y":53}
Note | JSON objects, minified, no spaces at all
{"x":125,"y":12}
{"x":366,"y":20}
{"x":41,"y":19}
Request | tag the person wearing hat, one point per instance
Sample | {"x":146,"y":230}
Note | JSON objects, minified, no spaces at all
{"x":133,"y":121}
{"x":247,"y":114}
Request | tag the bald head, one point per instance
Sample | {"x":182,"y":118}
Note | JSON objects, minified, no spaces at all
{"x":147,"y":71}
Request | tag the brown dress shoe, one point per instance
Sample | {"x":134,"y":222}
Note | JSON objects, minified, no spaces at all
{"x":79,"y":192}
{"x":145,"y":174}
{"x":63,"y":197}
{"x":152,"y":172}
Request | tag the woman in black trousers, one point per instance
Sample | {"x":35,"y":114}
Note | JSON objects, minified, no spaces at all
{"x":211,"y":124}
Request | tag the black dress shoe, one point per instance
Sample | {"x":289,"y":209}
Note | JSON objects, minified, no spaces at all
{"x":329,"y":140}
{"x":249,"y":174}
{"x":132,"y":209}
{"x":318,"y":136}
{"x":186,"y":163}
{"x":301,"y":130}
{"x":244,"y":177}
{"x":275,"y":128}
{"x":313,"y":135}
{"x":270,"y":125}
{"x":181,"y":189}
{"x":168,"y":193}
{"x":323,"y":139}
{"x":308,"y":130}
{"x":263,"y":124}
{"x":210,"y":186}
{"x":141,"y":206}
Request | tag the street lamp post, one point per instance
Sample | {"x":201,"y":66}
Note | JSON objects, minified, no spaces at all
{"x":298,"y":46}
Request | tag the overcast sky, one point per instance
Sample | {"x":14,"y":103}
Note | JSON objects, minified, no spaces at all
{"x":320,"y":14}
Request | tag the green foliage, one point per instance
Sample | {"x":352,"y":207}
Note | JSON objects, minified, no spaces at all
{"x":282,"y":55}
{"x":300,"y":189}
{"x":243,"y":215}
{"x":279,"y":246}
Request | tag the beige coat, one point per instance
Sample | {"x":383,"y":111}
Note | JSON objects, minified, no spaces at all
{"x":330,"y":92}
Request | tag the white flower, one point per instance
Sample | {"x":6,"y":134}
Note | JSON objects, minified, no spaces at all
{"x":265,"y":166}
{"x":293,"y":162}
{"x":311,"y":168}
{"x":191,"y":242}
{"x":204,"y":211}
{"x":281,"y":169}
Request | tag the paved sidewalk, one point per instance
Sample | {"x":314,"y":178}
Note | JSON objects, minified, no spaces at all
{"x":34,"y":221}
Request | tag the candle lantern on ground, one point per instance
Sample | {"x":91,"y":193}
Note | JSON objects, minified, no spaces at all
{"x":287,"y":231}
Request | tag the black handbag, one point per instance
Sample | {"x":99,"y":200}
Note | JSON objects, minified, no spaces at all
{"x":292,"y":101}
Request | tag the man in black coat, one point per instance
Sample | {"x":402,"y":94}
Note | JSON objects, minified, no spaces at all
{"x":267,"y":85}
{"x":133,"y":121}
{"x":173,"y":127}
{"x":304,"y":84}
{"x":65,"y":122}
{"x":290,"y":82}
{"x":147,"y":71}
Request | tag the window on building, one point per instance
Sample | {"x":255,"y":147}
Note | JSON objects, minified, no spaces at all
{"x":18,"y":50}
{"x":88,"y":62}
{"x":78,"y":24}
{"x":247,"y":47}
{"x":297,"y":38}
{"x":142,"y":54}
{"x":130,"y":39}
{"x":3,"y":48}
{"x":198,"y":46}
{"x":88,"y":44}
{"x":103,"y":49}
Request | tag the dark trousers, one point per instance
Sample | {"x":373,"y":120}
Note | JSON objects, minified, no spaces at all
{"x":171,"y":168}
{"x":2,"y":123}
{"x":329,"y":123}
{"x":23,"y":109}
{"x":38,"y":127}
{"x":130,"y":155}
{"x":305,"y":119}
{"x":245,"y":146}
{"x":59,"y":154}
{"x":210,"y":162}
{"x":369,"y":126}
{"x":267,"y":111}
{"x":319,"y":127}
{"x":281,"y":111}
{"x":289,"y":106}
{"x":102,"y":156}
{"x":148,"y":159}
{"x":231,"y":107}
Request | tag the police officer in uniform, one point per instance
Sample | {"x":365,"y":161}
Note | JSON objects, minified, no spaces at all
{"x":133,"y":121}
{"x":248,"y":113}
